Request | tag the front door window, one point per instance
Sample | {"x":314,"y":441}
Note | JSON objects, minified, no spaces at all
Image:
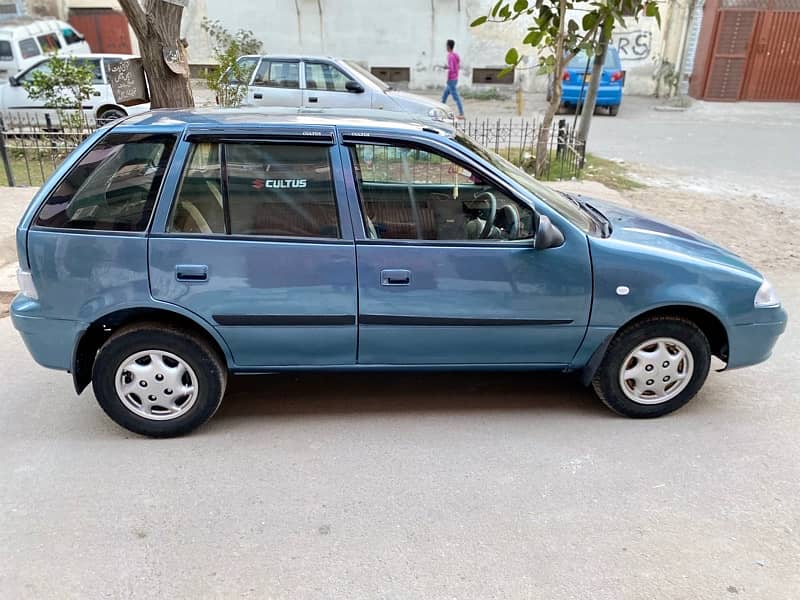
{"x":411,"y":193}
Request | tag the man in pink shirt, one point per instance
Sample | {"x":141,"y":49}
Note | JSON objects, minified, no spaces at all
{"x":453,"y":64}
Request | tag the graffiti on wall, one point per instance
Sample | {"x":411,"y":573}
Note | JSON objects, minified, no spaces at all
{"x":633,"y":45}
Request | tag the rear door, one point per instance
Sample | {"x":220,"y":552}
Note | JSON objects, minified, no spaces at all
{"x":276,"y":83}
{"x":256,"y":244}
{"x":326,"y":87}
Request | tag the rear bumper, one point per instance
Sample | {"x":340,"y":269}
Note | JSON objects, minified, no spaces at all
{"x":607,"y":95}
{"x":51,"y":342}
{"x":753,"y":343}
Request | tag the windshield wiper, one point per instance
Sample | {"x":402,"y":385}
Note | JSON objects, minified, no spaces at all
{"x":598,"y":217}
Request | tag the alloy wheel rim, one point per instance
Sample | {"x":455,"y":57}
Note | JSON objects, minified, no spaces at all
{"x":156,"y":385}
{"x":656,"y":371}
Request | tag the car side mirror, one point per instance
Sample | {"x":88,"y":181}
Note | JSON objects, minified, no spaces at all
{"x":547,"y":234}
{"x":354,"y":86}
{"x":13,"y":81}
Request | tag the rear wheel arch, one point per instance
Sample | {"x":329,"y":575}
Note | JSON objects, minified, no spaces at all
{"x":104,"y":327}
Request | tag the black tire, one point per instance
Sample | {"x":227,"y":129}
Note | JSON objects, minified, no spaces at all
{"x":110,"y":114}
{"x":606,"y":382}
{"x":207,"y":366}
{"x":613,"y":110}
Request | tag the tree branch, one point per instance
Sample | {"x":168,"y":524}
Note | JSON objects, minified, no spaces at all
{"x":136,"y":17}
{"x":584,"y":39}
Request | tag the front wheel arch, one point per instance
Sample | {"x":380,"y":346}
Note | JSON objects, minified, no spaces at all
{"x":102,"y":328}
{"x":709,"y":324}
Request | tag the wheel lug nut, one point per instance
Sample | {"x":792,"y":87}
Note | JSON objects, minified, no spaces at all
{"x":159,"y":377}
{"x":648,"y":368}
{"x":143,"y":383}
{"x":168,"y":391}
{"x":665,"y":364}
{"x":650,"y":382}
{"x":151,"y":398}
{"x":666,"y":379}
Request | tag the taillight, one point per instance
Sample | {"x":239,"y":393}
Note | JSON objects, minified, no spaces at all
{"x":616,"y":76}
{"x":565,"y":76}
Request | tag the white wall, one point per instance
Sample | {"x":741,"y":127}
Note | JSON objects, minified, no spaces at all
{"x":405,"y":33}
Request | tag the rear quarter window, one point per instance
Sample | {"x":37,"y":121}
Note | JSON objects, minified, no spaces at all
{"x":113,"y":187}
{"x":49,"y":42}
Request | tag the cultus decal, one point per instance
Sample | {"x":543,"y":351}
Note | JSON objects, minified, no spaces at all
{"x":259,"y":184}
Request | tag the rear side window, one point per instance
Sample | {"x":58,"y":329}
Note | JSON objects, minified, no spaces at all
{"x":49,"y":42}
{"x":28,"y":48}
{"x":113,"y":187}
{"x":5,"y":51}
{"x":71,"y":36}
{"x":272,"y":190}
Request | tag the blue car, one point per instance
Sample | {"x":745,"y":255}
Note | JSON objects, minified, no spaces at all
{"x":576,"y":78}
{"x":175,"y":249}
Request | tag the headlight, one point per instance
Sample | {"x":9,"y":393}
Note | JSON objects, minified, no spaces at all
{"x":26,"y":286}
{"x":766,"y":296}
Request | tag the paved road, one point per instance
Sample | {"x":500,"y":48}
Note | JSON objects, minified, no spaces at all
{"x":417,"y":486}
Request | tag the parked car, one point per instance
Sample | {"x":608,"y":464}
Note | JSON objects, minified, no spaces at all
{"x":102,"y":105}
{"x":174,"y":249}
{"x":576,"y":78}
{"x":323,"y":82}
{"x":25,"y":40}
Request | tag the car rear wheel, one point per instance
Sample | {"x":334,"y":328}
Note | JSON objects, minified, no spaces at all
{"x":653,"y":367}
{"x":158,"y":381}
{"x":613,"y":110}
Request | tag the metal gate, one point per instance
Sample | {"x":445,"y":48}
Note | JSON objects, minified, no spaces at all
{"x":756,"y":51}
{"x":105,"y":30}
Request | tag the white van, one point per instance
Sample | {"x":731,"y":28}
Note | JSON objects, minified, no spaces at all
{"x":24,"y":41}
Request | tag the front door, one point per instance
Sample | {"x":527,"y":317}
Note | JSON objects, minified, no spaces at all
{"x":447,"y":271}
{"x":326,"y":87}
{"x":256,"y":246}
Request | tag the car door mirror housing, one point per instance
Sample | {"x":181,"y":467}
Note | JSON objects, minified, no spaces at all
{"x":13,"y":81}
{"x":355,"y":87}
{"x":547,"y":234}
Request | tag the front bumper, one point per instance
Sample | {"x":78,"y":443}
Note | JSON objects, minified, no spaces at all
{"x":51,"y":342}
{"x":752,"y":343}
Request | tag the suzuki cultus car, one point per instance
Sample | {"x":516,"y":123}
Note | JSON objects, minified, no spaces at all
{"x":174,"y":249}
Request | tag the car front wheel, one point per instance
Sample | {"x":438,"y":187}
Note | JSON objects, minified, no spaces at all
{"x":158,"y":381}
{"x":653,"y":367}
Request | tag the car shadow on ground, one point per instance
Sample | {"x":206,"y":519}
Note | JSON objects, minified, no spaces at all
{"x":353,"y":393}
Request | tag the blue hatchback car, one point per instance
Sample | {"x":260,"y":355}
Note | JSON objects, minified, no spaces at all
{"x":576,"y":78}
{"x":173,"y":249}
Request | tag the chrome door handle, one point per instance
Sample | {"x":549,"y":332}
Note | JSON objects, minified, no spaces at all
{"x":258,"y":96}
{"x":313,"y":99}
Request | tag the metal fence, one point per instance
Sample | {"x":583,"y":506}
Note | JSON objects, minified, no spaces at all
{"x":517,"y":140}
{"x":33,"y":145}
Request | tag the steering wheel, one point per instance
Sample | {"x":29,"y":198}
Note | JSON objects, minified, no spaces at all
{"x":489,"y":224}
{"x":511,"y":220}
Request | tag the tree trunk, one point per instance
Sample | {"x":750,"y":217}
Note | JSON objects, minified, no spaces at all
{"x":157,"y":27}
{"x":591,"y":94}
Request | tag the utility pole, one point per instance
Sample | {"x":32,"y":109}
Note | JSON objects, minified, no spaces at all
{"x":587,"y":110}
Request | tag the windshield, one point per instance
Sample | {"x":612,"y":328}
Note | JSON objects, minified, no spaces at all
{"x":555,"y":200}
{"x":580,"y":60}
{"x":367,"y":75}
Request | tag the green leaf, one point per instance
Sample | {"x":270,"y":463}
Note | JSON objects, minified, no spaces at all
{"x":479,"y":21}
{"x":589,"y":20}
{"x":520,"y":5}
{"x":512,"y":57}
{"x":496,"y":8}
{"x":505,"y":12}
{"x":534,"y":38}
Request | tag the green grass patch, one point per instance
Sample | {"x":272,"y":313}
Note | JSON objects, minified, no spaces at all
{"x":610,"y":173}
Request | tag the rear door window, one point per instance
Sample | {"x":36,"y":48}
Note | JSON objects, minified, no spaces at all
{"x":113,"y":187}
{"x":5,"y":50}
{"x":49,"y":42}
{"x":29,"y":48}
{"x":280,"y":74}
{"x":255,"y":189}
{"x":71,"y":36}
